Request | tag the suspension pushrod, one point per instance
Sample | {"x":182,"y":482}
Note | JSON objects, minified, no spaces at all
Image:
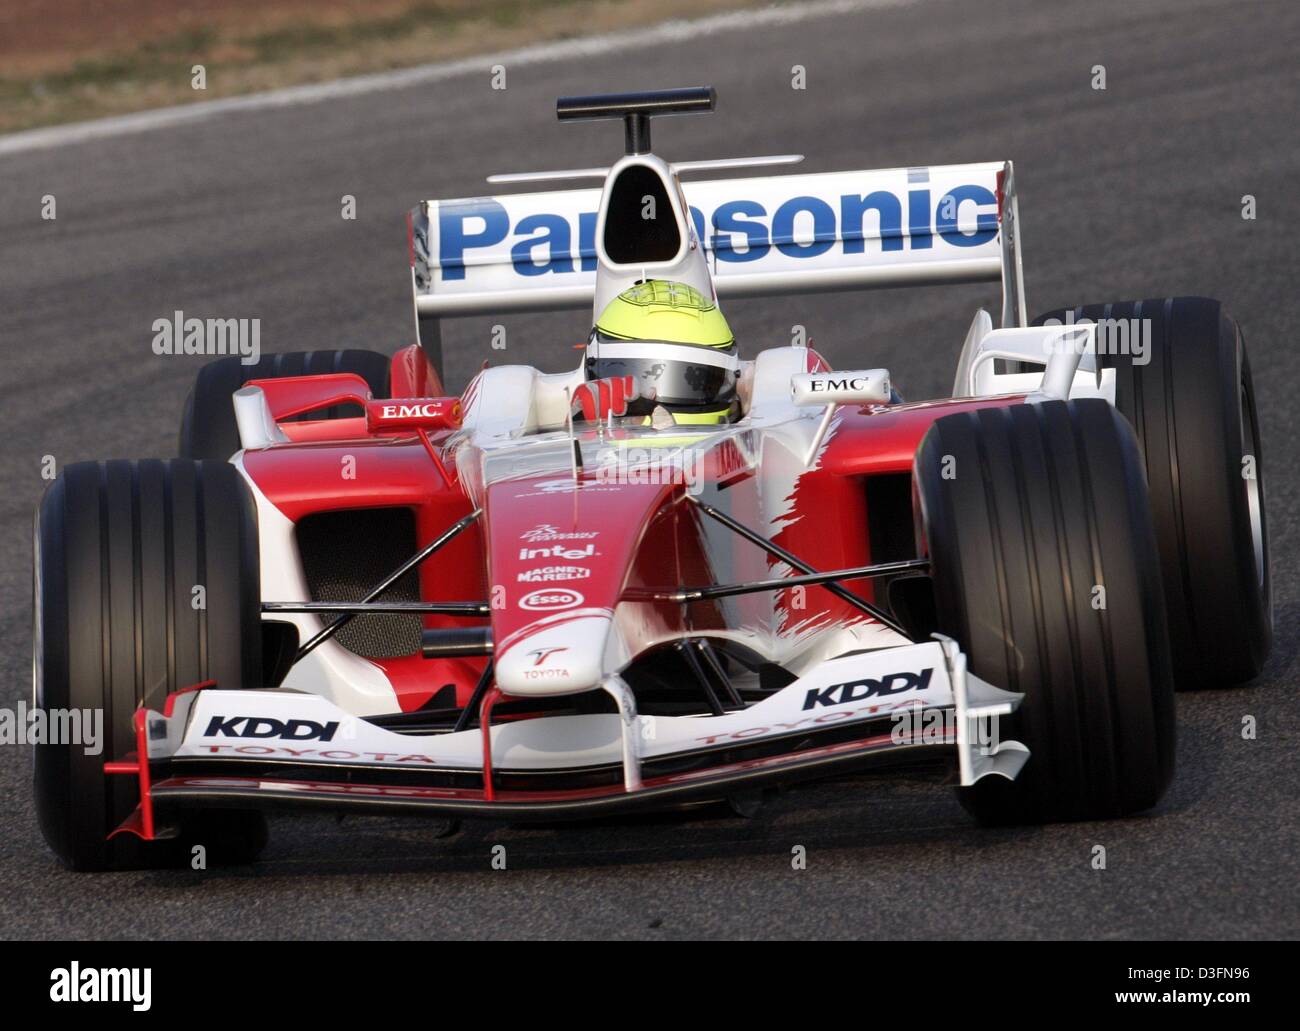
{"x":772,"y":548}
{"x":326,"y":632}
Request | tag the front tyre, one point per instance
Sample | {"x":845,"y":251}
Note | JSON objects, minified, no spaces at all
{"x":1044,"y":568}
{"x":146,"y":580}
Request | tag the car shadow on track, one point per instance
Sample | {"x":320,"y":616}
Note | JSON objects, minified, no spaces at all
{"x":852,"y":815}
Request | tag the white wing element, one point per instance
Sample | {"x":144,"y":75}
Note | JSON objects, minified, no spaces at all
{"x":761,"y":235}
{"x":1064,"y":359}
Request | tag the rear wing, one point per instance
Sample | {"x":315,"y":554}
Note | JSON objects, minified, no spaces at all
{"x":760,"y":235}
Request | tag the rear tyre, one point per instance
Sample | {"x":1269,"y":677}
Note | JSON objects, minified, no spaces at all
{"x":1044,"y":568}
{"x":208,"y":429}
{"x":1192,"y":405}
{"x":120,"y":549}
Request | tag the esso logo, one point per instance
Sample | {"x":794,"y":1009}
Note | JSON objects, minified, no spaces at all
{"x":550,"y":599}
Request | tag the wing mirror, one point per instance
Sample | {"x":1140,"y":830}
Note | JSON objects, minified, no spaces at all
{"x":856,"y":386}
{"x":415,"y":413}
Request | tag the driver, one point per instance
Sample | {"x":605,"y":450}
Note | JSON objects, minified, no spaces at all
{"x":672,"y":347}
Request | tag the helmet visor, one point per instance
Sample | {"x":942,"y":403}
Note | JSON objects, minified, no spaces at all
{"x":666,"y":373}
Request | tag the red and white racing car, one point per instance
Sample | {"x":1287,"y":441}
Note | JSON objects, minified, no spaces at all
{"x":357,"y":590}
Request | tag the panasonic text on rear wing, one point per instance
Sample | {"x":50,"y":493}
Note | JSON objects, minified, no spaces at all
{"x":761,"y":235}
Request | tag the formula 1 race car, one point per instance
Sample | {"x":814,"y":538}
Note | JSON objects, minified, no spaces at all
{"x":674,"y":574}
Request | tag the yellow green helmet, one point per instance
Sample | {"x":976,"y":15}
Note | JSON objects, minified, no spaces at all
{"x":676,"y":344}
{"x":665,"y":311}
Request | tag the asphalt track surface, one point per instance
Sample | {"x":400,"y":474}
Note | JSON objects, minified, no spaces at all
{"x":1134,"y":191}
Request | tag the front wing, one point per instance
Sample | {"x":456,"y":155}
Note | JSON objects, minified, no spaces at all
{"x":276,"y":748}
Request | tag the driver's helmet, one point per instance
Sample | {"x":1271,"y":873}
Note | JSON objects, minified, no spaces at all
{"x":676,"y":345}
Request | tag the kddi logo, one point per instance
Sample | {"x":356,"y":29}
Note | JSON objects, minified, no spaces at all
{"x":266,"y":727}
{"x":857,"y":690}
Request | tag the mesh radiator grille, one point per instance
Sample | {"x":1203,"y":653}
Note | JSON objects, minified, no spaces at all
{"x":345,"y":554}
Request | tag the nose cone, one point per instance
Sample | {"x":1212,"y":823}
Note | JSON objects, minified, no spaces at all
{"x":560,"y":655}
{"x":560,"y":551}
